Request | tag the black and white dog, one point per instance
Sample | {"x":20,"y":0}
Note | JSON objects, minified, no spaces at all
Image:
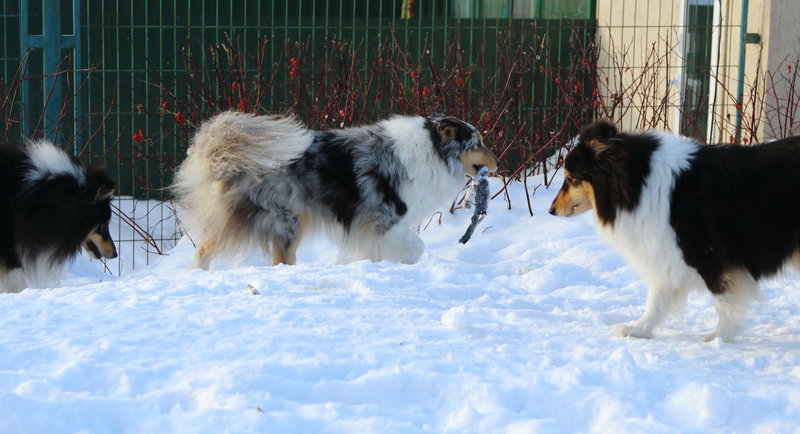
{"x":688,"y":216}
{"x":50,"y":205}
{"x":267,"y":180}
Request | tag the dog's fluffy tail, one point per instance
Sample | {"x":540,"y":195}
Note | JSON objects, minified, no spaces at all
{"x":233,"y":143}
{"x":228,"y":154}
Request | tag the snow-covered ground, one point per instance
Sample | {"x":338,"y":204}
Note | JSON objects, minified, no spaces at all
{"x":511,"y":333}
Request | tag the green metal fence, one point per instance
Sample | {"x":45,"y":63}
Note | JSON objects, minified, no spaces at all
{"x":131,"y":52}
{"x":123,"y":42}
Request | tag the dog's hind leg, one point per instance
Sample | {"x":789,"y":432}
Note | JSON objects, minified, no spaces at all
{"x":662,"y":300}
{"x":205,"y":253}
{"x":740,"y":292}
{"x":282,"y":252}
{"x":284,"y":246}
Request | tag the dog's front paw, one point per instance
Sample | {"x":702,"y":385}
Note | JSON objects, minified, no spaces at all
{"x":631,"y":331}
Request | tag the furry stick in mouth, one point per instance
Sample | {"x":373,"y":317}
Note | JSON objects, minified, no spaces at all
{"x":688,"y":216}
{"x":481,"y":190}
{"x":268,"y":181}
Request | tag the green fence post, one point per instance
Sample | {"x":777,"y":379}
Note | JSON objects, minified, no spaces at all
{"x":51,"y":41}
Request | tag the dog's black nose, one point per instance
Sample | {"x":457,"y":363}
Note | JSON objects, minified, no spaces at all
{"x":552,"y":210}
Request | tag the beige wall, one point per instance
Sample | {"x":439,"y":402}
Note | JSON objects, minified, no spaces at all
{"x":638,"y":45}
{"x":639,"y":35}
{"x":782,"y":43}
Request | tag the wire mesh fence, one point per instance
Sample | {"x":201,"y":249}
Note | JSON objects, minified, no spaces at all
{"x":153,"y":70}
{"x":528,"y":74}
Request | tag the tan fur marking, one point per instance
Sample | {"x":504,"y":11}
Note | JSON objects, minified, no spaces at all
{"x":449,"y":132}
{"x":573,"y":199}
{"x":277,"y":253}
{"x":205,"y":253}
{"x":103,"y":194}
{"x":597,"y":146}
{"x":478,"y":158}
{"x":794,"y":260}
{"x":106,"y":248}
{"x":289,"y":256}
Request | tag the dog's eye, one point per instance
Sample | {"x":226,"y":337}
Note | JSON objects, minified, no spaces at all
{"x":572,"y":180}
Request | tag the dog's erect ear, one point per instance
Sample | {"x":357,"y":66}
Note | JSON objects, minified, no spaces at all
{"x":601,"y":130}
{"x":97,"y":181}
{"x":447,"y":129}
{"x":598,"y":136}
{"x":103,"y":194}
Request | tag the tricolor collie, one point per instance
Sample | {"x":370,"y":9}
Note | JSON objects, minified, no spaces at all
{"x":50,"y":205}
{"x":688,"y":216}
{"x":267,"y":180}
